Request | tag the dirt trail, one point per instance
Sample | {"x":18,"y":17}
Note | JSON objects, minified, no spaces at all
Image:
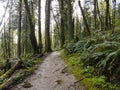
{"x":52,"y":74}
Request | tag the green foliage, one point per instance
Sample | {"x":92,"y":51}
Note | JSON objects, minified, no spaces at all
{"x":79,"y":46}
{"x":26,"y":72}
{"x":29,"y":68}
{"x":29,"y":63}
{"x":90,"y":80}
{"x":20,"y":77}
{"x":2,"y":62}
{"x":100,"y":56}
{"x":88,"y":71}
{"x":69,"y":47}
{"x":1,"y":72}
{"x":101,"y":81}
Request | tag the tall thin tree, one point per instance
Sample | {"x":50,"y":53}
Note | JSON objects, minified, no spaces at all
{"x":114,"y":14}
{"x":19,"y":30}
{"x":39,"y":26}
{"x":47,"y":26}
{"x":70,"y":24}
{"x":62,"y":26}
{"x":108,"y":18}
{"x":100,"y":18}
{"x":95,"y":14}
{"x":84,"y":18}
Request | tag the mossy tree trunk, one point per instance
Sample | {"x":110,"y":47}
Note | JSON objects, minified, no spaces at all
{"x":39,"y":26}
{"x":32,"y":29}
{"x":47,"y":26}
{"x":70,"y":24}
{"x":19,"y":30}
{"x":108,"y":17}
{"x":62,"y":23}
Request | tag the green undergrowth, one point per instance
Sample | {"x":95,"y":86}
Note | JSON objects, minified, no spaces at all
{"x":2,"y":65}
{"x":74,"y":65}
{"x":28,"y":65}
{"x":86,"y":74}
{"x":99,"y":55}
{"x":28,"y":68}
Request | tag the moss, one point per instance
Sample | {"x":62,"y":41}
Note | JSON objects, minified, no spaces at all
{"x":9,"y":72}
{"x":1,"y":72}
{"x":36,"y":61}
{"x":89,"y":80}
{"x":76,"y":70}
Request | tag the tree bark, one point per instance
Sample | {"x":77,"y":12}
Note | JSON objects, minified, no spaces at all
{"x":9,"y":42}
{"x":39,"y":26}
{"x":70,"y":24}
{"x":5,"y":42}
{"x":107,"y":15}
{"x":19,"y":30}
{"x":101,"y":21}
{"x":11,"y":70}
{"x":47,"y":26}
{"x":114,"y":15}
{"x":95,"y":14}
{"x":10,"y":81}
{"x":62,"y":39}
{"x":57,"y":22}
{"x":32,"y":29}
{"x":26,"y":37}
{"x":85,"y":21}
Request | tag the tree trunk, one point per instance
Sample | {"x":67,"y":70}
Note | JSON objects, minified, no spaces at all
{"x":32,"y":29}
{"x":47,"y":26}
{"x":114,"y":15}
{"x":70,"y":24}
{"x":95,"y":14}
{"x":10,"y":81}
{"x":5,"y":43}
{"x":19,"y":31}
{"x":107,"y":21}
{"x":39,"y":26}
{"x":11,"y":70}
{"x":101,"y":21}
{"x":62,"y":38}
{"x":32,"y":12}
{"x":85,"y":21}
{"x":9,"y":42}
{"x":63,"y":22}
{"x":26,"y":37}
{"x":57,"y":22}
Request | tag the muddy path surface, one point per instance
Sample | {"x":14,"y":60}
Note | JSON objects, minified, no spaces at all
{"x":52,"y":74}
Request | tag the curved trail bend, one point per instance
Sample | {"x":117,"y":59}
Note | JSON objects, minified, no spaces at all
{"x":52,"y":74}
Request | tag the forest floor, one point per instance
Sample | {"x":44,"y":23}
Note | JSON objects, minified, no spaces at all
{"x":52,"y":74}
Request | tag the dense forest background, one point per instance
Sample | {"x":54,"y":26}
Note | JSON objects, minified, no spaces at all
{"x":89,"y":28}
{"x":74,"y":22}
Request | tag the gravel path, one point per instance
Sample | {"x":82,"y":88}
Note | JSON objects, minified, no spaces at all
{"x":52,"y":74}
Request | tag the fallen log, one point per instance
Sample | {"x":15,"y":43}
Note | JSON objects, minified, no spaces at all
{"x":7,"y":83}
{"x":11,"y":70}
{"x":29,"y":62}
{"x":16,"y":66}
{"x":10,"y":81}
{"x":36,"y":56}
